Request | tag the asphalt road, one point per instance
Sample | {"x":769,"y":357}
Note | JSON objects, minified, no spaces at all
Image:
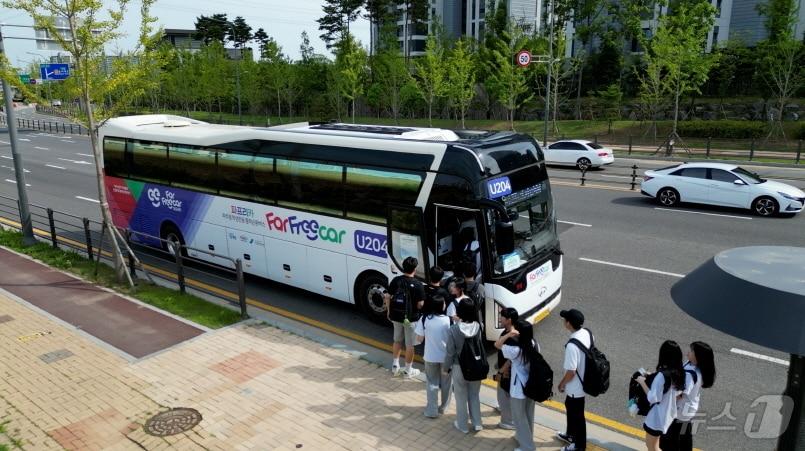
{"x":622,"y":255}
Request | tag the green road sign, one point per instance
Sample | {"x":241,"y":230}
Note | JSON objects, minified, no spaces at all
{"x":25,"y":78}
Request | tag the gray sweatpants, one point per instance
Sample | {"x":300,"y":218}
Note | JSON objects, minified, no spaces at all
{"x":468,"y":398}
{"x":523,"y":415}
{"x":437,"y":382}
{"x":505,"y":406}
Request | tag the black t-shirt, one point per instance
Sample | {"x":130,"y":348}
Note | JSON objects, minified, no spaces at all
{"x":431,"y":291}
{"x":415,"y":289}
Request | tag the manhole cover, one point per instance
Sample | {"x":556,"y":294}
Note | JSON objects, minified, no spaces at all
{"x":172,"y":422}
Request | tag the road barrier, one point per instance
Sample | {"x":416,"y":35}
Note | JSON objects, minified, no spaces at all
{"x":47,"y":126}
{"x":86,"y":236}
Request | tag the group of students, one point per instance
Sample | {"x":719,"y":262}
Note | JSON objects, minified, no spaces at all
{"x":672,"y":394}
{"x":448,"y":319}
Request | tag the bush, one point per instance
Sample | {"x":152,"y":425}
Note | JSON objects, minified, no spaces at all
{"x":722,"y":129}
{"x":800,"y":133}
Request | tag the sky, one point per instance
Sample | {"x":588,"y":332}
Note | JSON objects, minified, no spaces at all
{"x":283,"y":20}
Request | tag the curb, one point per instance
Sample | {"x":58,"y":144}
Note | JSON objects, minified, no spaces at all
{"x":711,"y":160}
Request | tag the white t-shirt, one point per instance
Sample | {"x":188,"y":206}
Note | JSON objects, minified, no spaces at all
{"x":689,"y":404}
{"x":519,"y":369}
{"x":661,"y":415}
{"x":575,"y":361}
{"x":435,"y":331}
{"x":453,"y":306}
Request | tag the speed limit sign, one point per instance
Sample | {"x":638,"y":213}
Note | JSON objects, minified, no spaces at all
{"x":523,"y":58}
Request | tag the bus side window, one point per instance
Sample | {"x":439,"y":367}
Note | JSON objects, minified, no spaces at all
{"x":235,"y":174}
{"x":114,"y":157}
{"x":191,"y":168}
{"x":311,"y":186}
{"x":370,"y":191}
{"x":266,"y":181}
{"x":149,"y":161}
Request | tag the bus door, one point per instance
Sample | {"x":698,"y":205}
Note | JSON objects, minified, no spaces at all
{"x":405,"y":237}
{"x":458,"y":237}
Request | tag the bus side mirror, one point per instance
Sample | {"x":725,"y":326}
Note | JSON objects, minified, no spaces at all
{"x":504,"y":237}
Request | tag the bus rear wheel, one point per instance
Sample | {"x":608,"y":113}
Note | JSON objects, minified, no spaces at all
{"x":369,"y":296}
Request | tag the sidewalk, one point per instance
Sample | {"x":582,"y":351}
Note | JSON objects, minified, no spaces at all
{"x":255,"y":387}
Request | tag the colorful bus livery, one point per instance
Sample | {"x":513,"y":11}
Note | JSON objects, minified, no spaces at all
{"x":335,"y":208}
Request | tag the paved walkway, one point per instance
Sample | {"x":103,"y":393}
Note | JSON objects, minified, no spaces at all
{"x":132,"y":328}
{"x":256,"y":387}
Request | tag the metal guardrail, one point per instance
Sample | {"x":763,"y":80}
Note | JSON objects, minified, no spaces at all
{"x":48,"y":126}
{"x":86,"y":236}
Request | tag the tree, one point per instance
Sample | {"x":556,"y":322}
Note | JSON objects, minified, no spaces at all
{"x":261,"y":38}
{"x":782,"y":58}
{"x":212,"y":28}
{"x":377,"y":11}
{"x":416,"y":18}
{"x":609,"y":99}
{"x":431,"y":73}
{"x":589,"y":22}
{"x":239,"y":32}
{"x":338,"y":14}
{"x":678,"y":49}
{"x":461,"y":77}
{"x":350,"y":65}
{"x":507,"y":80}
{"x":390,"y":71}
{"x":213,"y":77}
{"x":305,"y":49}
{"x":92,"y":27}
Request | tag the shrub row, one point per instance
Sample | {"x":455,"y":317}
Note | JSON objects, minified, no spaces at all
{"x":722,"y":129}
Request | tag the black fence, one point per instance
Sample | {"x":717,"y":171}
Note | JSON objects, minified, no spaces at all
{"x":47,"y":126}
{"x":159,"y":258}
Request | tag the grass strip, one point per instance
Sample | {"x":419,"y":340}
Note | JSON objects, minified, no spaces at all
{"x":187,"y":306}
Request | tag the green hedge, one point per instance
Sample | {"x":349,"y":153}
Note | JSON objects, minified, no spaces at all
{"x":722,"y":129}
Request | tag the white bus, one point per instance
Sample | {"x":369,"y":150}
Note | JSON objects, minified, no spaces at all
{"x":335,"y":208}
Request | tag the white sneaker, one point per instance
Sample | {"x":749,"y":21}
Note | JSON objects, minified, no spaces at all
{"x":455,"y":425}
{"x":570,"y":447}
{"x":413,"y":372}
{"x":478,"y":428}
{"x":395,"y":370}
{"x":506,"y":426}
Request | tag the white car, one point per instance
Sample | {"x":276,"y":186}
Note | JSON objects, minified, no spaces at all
{"x":721,"y":184}
{"x":580,"y":153}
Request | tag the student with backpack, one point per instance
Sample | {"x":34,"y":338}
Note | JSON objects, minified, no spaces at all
{"x":466,"y":361}
{"x":457,"y":288}
{"x":434,"y":286}
{"x":404,"y":300}
{"x":700,"y":372}
{"x":521,"y":356}
{"x":668,"y":383}
{"x":433,"y":328}
{"x":508,"y":318}
{"x":473,"y":290}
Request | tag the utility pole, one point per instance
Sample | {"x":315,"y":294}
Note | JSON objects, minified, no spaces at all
{"x":22,"y":195}
{"x":550,"y":74}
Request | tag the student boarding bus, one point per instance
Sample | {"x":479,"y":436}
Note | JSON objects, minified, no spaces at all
{"x":335,"y":208}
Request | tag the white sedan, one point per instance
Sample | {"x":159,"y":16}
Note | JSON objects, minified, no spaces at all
{"x":721,"y":184}
{"x":582,"y":154}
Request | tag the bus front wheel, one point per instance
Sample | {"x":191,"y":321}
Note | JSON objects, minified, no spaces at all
{"x":369,"y":295}
{"x":172,"y":239}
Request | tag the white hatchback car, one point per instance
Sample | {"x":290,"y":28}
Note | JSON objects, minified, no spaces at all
{"x":579,"y":153}
{"x":721,"y":184}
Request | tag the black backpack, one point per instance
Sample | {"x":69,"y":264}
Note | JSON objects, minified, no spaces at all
{"x":596,"y":368}
{"x":639,"y":396}
{"x":400,"y":306}
{"x":472,"y":359}
{"x":539,"y":386}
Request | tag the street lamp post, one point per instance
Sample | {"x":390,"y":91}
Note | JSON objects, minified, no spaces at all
{"x":22,"y":193}
{"x":548,"y":82}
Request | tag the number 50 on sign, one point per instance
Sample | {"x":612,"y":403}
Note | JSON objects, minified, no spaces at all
{"x":523,"y":58}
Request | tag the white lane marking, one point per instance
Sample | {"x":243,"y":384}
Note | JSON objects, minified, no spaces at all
{"x":618,"y":176}
{"x":702,"y":213}
{"x":54,"y":166}
{"x":3,"y":142}
{"x":11,"y":169}
{"x":41,"y":148}
{"x":636,"y":268}
{"x":575,"y":223}
{"x":67,"y":141}
{"x":75,"y":161}
{"x":760,"y":356}
{"x":15,"y":182}
{"x":85,"y":155}
{"x":25,"y":139}
{"x":88,"y":199}
{"x":6,"y":157}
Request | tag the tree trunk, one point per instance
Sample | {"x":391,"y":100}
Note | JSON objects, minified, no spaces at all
{"x":353,"y":110}
{"x":430,"y":113}
{"x":676,"y":109}
{"x":578,"y":92}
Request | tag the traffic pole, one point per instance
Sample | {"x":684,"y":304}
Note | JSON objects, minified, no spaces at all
{"x":22,"y":194}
